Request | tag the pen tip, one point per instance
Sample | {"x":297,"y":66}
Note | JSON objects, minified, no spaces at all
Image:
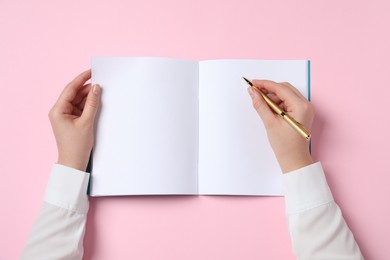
{"x":248,"y":81}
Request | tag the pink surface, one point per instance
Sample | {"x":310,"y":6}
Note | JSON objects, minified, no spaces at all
{"x":44,"y":44}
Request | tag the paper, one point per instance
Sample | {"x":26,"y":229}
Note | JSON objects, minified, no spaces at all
{"x":169,"y":126}
{"x":147,"y":134}
{"x":234,"y":153}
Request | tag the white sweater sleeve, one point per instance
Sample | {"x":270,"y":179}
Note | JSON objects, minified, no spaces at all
{"x":59,"y":229}
{"x":316,"y":225}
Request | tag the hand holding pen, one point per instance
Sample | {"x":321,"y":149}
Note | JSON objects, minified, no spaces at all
{"x":291,"y":150}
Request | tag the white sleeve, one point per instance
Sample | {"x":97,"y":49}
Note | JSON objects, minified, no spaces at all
{"x":59,"y":229}
{"x":316,"y":225}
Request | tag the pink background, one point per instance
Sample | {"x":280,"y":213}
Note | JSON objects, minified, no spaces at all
{"x":44,"y":44}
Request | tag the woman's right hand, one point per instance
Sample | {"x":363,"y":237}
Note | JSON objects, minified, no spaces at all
{"x":290,"y":148}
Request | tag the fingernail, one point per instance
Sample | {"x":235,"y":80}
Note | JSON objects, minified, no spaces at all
{"x":96,"y":89}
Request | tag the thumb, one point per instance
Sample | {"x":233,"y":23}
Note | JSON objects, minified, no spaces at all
{"x":92,"y":103}
{"x":261,"y":106}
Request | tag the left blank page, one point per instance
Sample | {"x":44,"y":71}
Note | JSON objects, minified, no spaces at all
{"x":147,"y":129}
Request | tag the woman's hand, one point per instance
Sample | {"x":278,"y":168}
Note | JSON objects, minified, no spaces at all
{"x":290,"y":148}
{"x":73,"y":118}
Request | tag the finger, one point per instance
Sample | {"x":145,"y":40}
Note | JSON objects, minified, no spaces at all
{"x":92,"y":104}
{"x":283,"y":92}
{"x":77,"y":111}
{"x":272,"y":96}
{"x":265,"y":91}
{"x":71,"y":90}
{"x":283,"y":106}
{"x":261,"y":106}
{"x":82,"y":94}
{"x":67,"y":107}
{"x":275,"y":99}
{"x":295,"y":90}
{"x":82,"y":103}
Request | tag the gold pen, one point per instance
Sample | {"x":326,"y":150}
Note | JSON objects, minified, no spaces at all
{"x":291,"y":121}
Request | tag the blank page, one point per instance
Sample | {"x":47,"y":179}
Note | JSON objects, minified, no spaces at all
{"x":235,"y":157}
{"x":147,"y":131}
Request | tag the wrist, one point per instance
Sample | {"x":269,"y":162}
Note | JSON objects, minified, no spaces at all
{"x":294,"y":161}
{"x":76,"y":163}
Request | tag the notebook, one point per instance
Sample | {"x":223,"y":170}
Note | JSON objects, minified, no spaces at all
{"x":173,"y":126}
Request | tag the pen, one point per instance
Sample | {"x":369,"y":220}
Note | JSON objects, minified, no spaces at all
{"x":291,"y":121}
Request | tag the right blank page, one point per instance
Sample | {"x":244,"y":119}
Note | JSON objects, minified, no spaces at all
{"x":235,"y":157}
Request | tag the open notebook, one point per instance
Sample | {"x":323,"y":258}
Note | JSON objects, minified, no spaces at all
{"x":170,"y":126}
